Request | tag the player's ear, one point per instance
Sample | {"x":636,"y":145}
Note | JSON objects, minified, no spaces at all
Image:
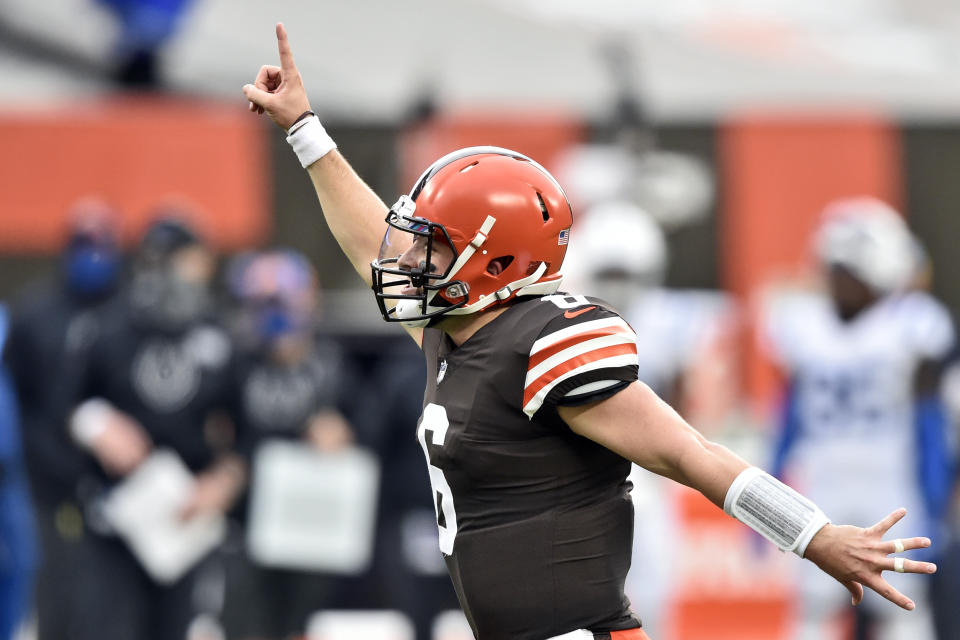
{"x":497,"y":265}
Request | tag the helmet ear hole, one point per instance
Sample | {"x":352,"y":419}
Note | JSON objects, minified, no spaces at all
{"x":498,"y":265}
{"x":543,"y":207}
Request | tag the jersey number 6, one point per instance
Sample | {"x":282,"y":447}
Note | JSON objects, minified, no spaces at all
{"x":567,"y":301}
{"x":435,"y":421}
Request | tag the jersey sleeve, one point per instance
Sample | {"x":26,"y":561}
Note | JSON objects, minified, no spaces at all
{"x":786,"y":321}
{"x":580,"y":352}
{"x":927,"y":325}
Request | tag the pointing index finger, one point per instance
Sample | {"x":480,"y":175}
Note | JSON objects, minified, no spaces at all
{"x":286,"y":53}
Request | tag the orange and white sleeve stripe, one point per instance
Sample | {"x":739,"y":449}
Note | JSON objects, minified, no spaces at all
{"x":597,"y":344}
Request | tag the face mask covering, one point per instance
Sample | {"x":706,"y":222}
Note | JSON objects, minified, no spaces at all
{"x":275,"y":323}
{"x":91,"y":270}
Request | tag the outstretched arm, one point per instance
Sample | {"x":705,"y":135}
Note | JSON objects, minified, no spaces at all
{"x":352,"y":210}
{"x":639,"y":426}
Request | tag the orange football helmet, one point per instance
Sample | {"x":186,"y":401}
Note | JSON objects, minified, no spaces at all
{"x":485,"y":203}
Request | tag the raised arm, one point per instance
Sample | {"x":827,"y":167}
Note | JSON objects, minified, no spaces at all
{"x":354,"y":213}
{"x":352,"y":210}
{"x":639,"y":426}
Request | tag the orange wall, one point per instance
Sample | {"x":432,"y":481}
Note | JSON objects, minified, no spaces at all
{"x":777,"y":173}
{"x":135,"y":154}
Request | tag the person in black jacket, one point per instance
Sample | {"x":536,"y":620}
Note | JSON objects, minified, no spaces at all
{"x":52,"y":321}
{"x":154,"y":378}
{"x":289,"y":384}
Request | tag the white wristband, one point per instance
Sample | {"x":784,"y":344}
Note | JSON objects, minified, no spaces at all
{"x":774,"y":510}
{"x":89,"y":420}
{"x":310,"y":141}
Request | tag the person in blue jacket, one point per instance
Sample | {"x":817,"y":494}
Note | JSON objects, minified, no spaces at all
{"x":18,"y":548}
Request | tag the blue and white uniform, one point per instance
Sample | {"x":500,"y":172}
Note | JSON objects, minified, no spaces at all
{"x":856,"y":439}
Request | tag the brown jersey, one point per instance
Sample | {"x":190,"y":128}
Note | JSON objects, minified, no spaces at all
{"x":535,"y":521}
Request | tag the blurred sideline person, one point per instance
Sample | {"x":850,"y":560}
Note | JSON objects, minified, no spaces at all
{"x":946,"y":585}
{"x":154,"y":378}
{"x":863,"y":422}
{"x":620,"y":252}
{"x":289,"y":385}
{"x":51,"y":322}
{"x":18,"y":536}
{"x":533,"y":410}
{"x":409,"y":573}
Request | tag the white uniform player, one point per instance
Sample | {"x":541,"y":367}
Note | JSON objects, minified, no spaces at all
{"x":850,"y":430}
{"x":620,"y":252}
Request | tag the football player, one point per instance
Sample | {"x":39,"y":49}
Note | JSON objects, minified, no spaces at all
{"x":864,"y":422}
{"x":532,"y":411}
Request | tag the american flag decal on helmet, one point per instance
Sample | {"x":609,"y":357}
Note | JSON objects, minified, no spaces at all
{"x":574,"y":350}
{"x":564,"y":237}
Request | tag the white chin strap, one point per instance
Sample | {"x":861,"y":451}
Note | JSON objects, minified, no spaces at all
{"x":521,"y":287}
{"x":410,"y":309}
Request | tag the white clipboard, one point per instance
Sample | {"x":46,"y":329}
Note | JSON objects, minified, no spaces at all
{"x":349,"y":625}
{"x":145,"y":511}
{"x":310,"y":510}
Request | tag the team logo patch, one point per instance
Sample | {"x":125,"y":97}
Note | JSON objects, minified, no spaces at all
{"x":573,"y":314}
{"x":442,"y":372}
{"x":564,"y":237}
{"x":165,"y":376}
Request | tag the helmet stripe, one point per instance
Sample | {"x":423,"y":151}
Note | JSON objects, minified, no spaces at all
{"x":466,"y":152}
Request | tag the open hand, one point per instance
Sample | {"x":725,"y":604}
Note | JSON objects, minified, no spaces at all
{"x":279,"y":91}
{"x":857,"y":557}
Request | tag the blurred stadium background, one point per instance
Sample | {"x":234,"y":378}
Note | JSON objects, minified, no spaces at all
{"x":732,"y":123}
